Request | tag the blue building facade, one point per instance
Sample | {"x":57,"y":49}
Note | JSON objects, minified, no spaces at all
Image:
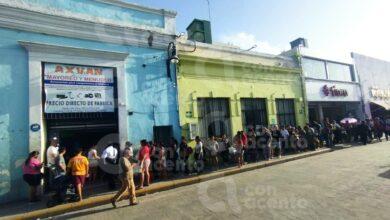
{"x":130,"y":39}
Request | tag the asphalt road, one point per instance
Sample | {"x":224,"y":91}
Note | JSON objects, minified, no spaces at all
{"x":352,"y":183}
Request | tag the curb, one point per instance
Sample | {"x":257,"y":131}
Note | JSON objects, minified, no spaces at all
{"x":162,"y":186}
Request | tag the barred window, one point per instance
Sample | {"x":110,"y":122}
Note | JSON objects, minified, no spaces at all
{"x":254,"y":113}
{"x":285,"y":111}
{"x":214,"y":115}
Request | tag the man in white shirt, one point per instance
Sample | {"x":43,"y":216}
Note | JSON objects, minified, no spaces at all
{"x":285,"y":136}
{"x":109,"y":156}
{"x":52,"y":152}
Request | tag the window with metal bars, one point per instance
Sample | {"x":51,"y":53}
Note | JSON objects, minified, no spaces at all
{"x":214,"y":115}
{"x":285,"y":111}
{"x":254,"y":113}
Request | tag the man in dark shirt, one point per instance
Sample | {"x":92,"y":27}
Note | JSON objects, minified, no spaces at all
{"x":363,"y":132}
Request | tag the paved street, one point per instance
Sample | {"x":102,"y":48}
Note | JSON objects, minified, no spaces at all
{"x":353,"y":183}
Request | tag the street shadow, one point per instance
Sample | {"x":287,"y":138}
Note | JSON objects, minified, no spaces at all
{"x":385,"y":174}
{"x":84,"y":213}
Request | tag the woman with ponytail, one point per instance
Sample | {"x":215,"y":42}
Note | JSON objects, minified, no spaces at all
{"x":32,"y":174}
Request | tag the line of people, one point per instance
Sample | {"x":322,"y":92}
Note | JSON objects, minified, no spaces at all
{"x":161,"y":161}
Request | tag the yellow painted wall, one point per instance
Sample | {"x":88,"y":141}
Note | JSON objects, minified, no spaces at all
{"x":202,"y":77}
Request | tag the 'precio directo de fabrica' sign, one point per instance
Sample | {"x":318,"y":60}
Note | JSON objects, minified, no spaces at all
{"x":73,"y":88}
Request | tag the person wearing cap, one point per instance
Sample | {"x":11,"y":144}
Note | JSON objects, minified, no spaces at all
{"x":126,"y":178}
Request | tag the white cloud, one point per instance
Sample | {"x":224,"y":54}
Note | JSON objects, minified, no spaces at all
{"x":245,"y":41}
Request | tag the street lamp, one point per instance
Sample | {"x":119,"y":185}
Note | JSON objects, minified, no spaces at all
{"x":172,"y":58}
{"x":172,"y":55}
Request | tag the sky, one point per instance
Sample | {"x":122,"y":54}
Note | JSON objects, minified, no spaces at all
{"x":333,"y":28}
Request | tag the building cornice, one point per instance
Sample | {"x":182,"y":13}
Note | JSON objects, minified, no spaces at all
{"x":238,"y":78}
{"x":309,"y":79}
{"x":232,"y":63}
{"x":140,"y":7}
{"x":185,"y":44}
{"x":32,"y":21}
{"x":38,"y":47}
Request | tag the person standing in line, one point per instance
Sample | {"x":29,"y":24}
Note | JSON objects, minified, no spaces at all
{"x":252,"y":145}
{"x":387,"y":128}
{"x":267,"y":140}
{"x":93,"y":160}
{"x":370,"y":125}
{"x":328,"y":132}
{"x":61,"y":179}
{"x":110,"y":157}
{"x":183,"y":155}
{"x":224,"y":149}
{"x":214,"y":148}
{"x":239,"y":149}
{"x":52,"y":152}
{"x":244,"y":138}
{"x":129,"y":147}
{"x":127,"y":179}
{"x":144,"y":158}
{"x":161,"y":161}
{"x":285,"y":137}
{"x":32,"y":174}
{"x":172,"y":155}
{"x":51,"y":155}
{"x":60,"y":161}
{"x":276,"y":141}
{"x":378,"y":128}
{"x":78,"y":167}
{"x":198,"y":155}
{"x":364,"y":131}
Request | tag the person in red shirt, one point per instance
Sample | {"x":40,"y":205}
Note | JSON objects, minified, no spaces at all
{"x":144,"y":158}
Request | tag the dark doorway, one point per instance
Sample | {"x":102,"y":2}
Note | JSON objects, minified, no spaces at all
{"x":73,"y":138}
{"x":162,"y":134}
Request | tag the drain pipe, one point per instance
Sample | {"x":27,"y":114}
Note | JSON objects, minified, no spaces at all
{"x":303,"y":84}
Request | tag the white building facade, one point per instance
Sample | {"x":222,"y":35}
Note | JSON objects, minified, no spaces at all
{"x":374,"y":75}
{"x":332,"y":87}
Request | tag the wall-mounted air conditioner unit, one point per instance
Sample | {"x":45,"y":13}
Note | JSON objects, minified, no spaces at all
{"x":193,"y":131}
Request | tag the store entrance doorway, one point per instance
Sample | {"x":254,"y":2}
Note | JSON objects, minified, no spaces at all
{"x":86,"y":137}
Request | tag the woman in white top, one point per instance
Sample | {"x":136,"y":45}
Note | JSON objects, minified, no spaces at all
{"x":214,"y":147}
{"x":198,"y":155}
{"x":93,"y":160}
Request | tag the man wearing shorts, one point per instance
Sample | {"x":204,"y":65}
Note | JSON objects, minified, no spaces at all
{"x":78,"y":166}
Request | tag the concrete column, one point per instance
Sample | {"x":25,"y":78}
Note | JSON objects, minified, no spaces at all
{"x":320,"y":113}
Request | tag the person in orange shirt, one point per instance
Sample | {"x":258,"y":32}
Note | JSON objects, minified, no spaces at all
{"x":78,"y":167}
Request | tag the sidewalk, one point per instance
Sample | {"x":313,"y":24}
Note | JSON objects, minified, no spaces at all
{"x":24,"y":210}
